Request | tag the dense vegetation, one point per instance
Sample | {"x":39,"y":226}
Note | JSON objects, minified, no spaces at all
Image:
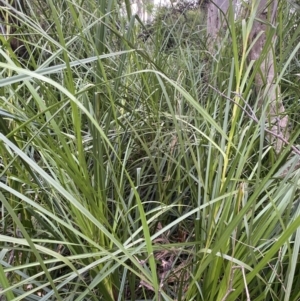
{"x":129,"y":172}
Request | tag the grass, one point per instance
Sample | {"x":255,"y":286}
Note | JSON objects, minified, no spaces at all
{"x":131,"y":173}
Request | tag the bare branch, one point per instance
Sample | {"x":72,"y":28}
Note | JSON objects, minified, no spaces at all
{"x":230,"y":288}
{"x":250,"y":113}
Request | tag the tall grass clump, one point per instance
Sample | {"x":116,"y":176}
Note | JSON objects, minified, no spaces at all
{"x":134,"y":172}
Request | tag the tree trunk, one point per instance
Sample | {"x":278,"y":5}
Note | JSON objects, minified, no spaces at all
{"x":215,"y":20}
{"x":265,"y":79}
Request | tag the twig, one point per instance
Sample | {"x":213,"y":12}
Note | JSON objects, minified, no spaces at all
{"x":252,"y":116}
{"x":273,"y":268}
{"x":230,"y":288}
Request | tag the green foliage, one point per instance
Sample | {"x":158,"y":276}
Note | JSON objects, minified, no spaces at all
{"x":130,"y":173}
{"x":174,"y":27}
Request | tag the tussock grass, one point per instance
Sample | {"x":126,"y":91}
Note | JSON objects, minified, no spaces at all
{"x":129,"y":173}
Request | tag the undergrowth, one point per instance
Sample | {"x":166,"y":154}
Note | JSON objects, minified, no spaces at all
{"x":124,"y":175}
